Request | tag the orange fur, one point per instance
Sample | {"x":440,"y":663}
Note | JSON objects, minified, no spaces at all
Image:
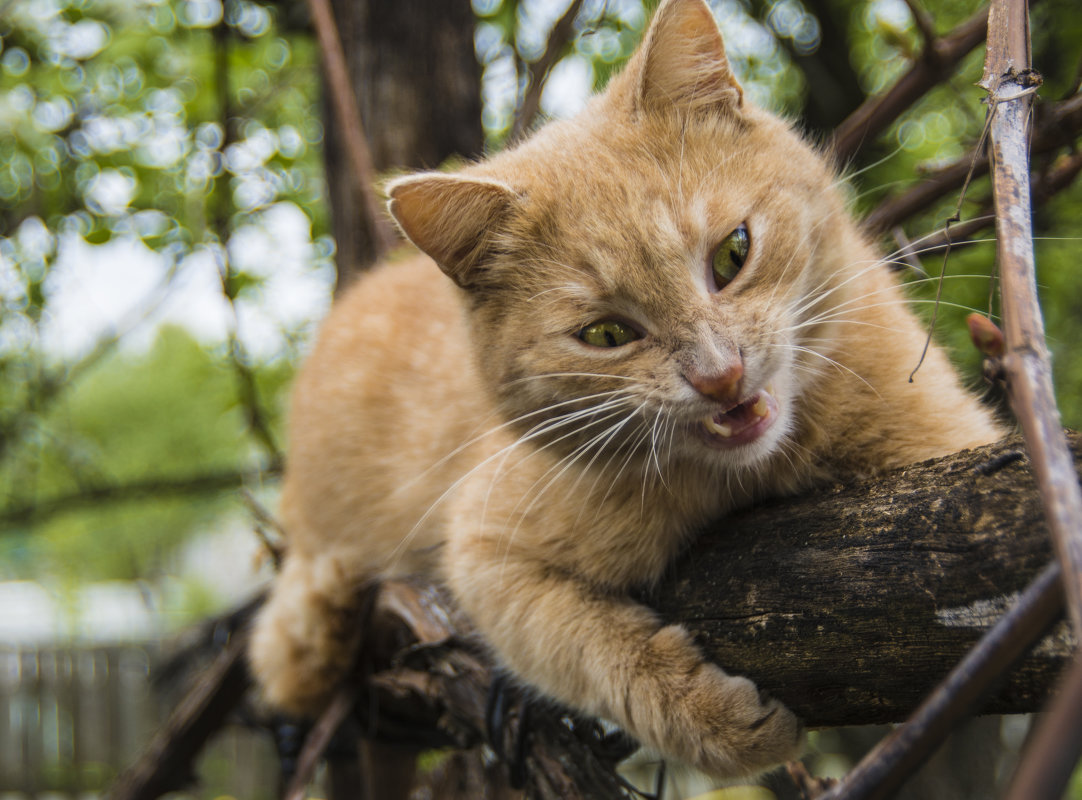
{"x":467,"y":431}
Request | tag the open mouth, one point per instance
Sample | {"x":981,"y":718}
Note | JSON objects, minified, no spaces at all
{"x":743,"y":423}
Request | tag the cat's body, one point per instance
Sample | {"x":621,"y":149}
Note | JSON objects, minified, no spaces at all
{"x":547,"y":434}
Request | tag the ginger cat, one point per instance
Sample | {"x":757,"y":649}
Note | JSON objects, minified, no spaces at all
{"x":647,"y":316}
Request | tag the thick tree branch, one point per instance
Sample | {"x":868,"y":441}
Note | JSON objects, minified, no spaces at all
{"x":848,"y":603}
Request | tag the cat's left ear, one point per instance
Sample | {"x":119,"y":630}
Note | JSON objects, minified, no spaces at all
{"x":450,"y":217}
{"x":683,"y":63}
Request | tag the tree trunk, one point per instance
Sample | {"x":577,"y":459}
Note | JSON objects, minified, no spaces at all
{"x":417,"y":82}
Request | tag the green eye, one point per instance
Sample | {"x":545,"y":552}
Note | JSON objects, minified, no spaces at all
{"x":731,"y":255}
{"x":608,"y":333}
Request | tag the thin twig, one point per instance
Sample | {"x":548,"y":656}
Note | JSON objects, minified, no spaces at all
{"x":348,"y":115}
{"x":319,"y":737}
{"x":142,"y":489}
{"x":167,"y":763}
{"x":1045,"y":186}
{"x":247,"y":391}
{"x":923,"y":20}
{"x":562,"y":33}
{"x":1011,"y":87}
{"x":1052,"y":753}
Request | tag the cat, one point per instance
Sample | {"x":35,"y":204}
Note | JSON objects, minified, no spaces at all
{"x":629,"y":324}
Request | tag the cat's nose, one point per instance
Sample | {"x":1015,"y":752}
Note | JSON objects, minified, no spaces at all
{"x":723,"y":386}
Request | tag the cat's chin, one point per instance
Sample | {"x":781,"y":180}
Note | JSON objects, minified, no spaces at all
{"x":742,"y":426}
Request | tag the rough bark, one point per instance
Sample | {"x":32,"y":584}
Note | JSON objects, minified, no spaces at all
{"x":417,"y":81}
{"x":850,"y":604}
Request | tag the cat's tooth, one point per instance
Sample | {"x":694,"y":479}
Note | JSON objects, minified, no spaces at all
{"x":720,"y":428}
{"x":760,"y":408}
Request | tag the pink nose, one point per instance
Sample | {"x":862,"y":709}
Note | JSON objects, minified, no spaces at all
{"x":722,"y":386}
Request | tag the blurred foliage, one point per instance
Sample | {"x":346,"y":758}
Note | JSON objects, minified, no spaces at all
{"x":184,"y":129}
{"x":167,"y":130}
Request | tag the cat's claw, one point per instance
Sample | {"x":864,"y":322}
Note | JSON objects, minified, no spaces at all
{"x":505,"y":702}
{"x":721,"y":723}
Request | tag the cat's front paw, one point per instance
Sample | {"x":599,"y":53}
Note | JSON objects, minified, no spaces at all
{"x":717,"y":722}
{"x":743,"y":732}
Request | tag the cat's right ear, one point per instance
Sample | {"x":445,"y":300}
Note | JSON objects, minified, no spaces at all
{"x":682,"y":62}
{"x":450,"y":217}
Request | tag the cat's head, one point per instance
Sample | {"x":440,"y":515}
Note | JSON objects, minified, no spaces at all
{"x":641,"y":277}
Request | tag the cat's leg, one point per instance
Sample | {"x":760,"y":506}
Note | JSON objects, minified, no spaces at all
{"x":305,"y":637}
{"x":611,"y":657}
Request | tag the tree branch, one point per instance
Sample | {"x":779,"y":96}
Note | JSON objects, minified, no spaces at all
{"x":1049,"y":760}
{"x":1011,"y":86}
{"x":348,"y":116}
{"x":1058,"y":124}
{"x":907,"y":571}
{"x":935,"y":64}
{"x":848,"y":604}
{"x":153,"y":488}
{"x":1046,"y":185}
{"x":561,"y":35}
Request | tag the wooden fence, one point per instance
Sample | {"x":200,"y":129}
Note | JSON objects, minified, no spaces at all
{"x":72,"y":717}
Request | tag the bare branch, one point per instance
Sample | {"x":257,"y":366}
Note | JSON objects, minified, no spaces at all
{"x":1011,"y":87}
{"x":1055,"y":745}
{"x":1046,"y":185}
{"x":1058,"y":124}
{"x":923,"y":20}
{"x":166,"y":764}
{"x":562,"y":34}
{"x":348,"y":115}
{"x":318,"y":739}
{"x":1048,"y":762}
{"x":147,"y":488}
{"x":934,"y":65}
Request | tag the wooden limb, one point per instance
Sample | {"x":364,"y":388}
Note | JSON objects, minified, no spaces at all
{"x":437,"y":695}
{"x":1052,"y":754}
{"x":348,"y":116}
{"x":1049,"y":760}
{"x":1028,"y":370}
{"x":850,"y":604}
{"x":558,"y":39}
{"x":167,"y":763}
{"x":934,"y":65}
{"x":315,"y":744}
{"x":1057,"y":125}
{"x":208,"y":483}
{"x":1045,"y":186}
{"x":898,"y":756}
